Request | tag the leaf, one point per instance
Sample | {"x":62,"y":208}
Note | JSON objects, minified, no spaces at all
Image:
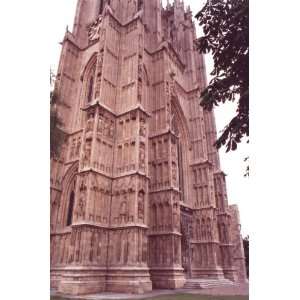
{"x":226,"y":36}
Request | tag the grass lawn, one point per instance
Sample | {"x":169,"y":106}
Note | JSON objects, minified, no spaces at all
{"x":186,"y":297}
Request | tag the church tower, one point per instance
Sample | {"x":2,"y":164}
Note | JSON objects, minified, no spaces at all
{"x":138,"y":200}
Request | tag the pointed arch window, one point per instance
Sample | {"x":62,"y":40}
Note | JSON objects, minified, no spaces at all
{"x":70,"y":208}
{"x":175,"y":129}
{"x":89,"y":79}
{"x":90,"y":89}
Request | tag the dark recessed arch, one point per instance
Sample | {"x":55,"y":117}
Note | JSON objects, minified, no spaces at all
{"x":71,"y":208}
{"x":68,"y":194}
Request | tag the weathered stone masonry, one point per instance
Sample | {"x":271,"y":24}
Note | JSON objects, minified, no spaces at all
{"x":138,"y":200}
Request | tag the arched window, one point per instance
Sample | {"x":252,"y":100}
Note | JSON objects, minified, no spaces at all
{"x":90,"y":89}
{"x":70,"y":209}
{"x":88,"y":78}
{"x":175,"y":129}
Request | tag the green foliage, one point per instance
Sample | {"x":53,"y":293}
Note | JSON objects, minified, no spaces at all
{"x":225,"y":25}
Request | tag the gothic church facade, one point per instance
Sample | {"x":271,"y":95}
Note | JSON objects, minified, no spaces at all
{"x":138,"y":199}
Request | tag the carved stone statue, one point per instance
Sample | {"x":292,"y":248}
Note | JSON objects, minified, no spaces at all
{"x":89,"y":124}
{"x":94,"y":28}
{"x":141,"y":205}
{"x":124,"y":210}
{"x":142,"y":158}
{"x":106,"y":127}
{"x":87,"y":153}
{"x":100,"y":126}
{"x":174,"y":173}
{"x":143,"y":128}
{"x":82,"y":198}
{"x":78,"y":146}
{"x":112,"y":130}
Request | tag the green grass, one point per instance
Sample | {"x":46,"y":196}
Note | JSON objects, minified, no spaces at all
{"x":186,"y":297}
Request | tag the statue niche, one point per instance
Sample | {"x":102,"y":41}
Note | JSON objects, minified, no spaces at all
{"x":141,"y":206}
{"x":124,"y":210}
{"x":89,"y":125}
{"x":142,"y":157}
{"x":82,"y":199}
{"x":87,"y":153}
{"x":142,"y":128}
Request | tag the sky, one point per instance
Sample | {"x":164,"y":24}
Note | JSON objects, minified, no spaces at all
{"x":232,"y":163}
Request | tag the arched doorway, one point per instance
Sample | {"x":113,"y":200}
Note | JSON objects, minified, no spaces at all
{"x":180,"y":129}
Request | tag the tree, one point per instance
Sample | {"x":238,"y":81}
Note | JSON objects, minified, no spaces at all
{"x":57,"y":135}
{"x":225,"y":25}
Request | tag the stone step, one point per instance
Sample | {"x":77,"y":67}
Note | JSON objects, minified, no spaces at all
{"x":208,"y":283}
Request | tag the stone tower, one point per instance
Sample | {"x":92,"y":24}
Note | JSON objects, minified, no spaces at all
{"x":138,"y":200}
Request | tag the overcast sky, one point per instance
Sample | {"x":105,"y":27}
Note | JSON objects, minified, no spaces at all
{"x":232,"y":164}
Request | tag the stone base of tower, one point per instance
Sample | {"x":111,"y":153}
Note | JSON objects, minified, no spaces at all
{"x":128,"y":280}
{"x":231,"y":274}
{"x":82,"y":280}
{"x":241,"y":272}
{"x":55,"y":278}
{"x":211,"y":273}
{"x":166,"y":278}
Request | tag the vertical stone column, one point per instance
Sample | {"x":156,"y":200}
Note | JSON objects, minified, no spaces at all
{"x":165,"y":237}
{"x":83,"y":274}
{"x":238,"y":254}
{"x":224,"y":226}
{"x":127,"y":268}
{"x":205,"y":236}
